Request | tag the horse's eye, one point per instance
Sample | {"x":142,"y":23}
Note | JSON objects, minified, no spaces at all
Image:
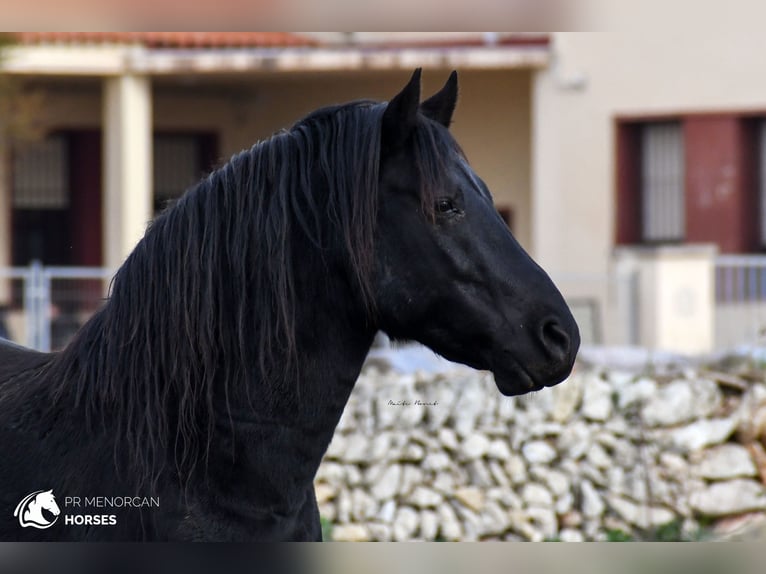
{"x":445,"y":206}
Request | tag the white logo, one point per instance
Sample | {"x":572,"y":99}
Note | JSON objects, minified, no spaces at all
{"x":30,"y":509}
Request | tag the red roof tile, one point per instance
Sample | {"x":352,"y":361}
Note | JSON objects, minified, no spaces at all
{"x":171,"y":39}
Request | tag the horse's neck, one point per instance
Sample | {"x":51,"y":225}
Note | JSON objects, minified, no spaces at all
{"x":281,"y":452}
{"x":34,"y":510}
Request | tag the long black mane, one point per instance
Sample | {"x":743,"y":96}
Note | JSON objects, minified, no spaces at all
{"x":209,"y":295}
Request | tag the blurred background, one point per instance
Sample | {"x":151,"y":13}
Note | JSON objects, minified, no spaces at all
{"x":629,"y":165}
{"x":632,"y":167}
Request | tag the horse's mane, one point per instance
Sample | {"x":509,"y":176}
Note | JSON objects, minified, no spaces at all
{"x":208,"y":295}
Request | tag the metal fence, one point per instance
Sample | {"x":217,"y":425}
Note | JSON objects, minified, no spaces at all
{"x":42,"y":307}
{"x":46,"y":305}
{"x":740,"y":293}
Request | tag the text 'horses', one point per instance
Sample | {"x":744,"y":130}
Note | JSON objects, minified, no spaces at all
{"x":214,"y":376}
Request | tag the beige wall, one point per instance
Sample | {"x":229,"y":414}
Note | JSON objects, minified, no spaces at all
{"x":492,"y":121}
{"x":595,"y":77}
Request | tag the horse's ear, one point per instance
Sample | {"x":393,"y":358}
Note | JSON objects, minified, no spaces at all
{"x":441,"y":105}
{"x":401,"y":114}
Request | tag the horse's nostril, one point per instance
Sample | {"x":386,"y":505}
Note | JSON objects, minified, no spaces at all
{"x":555,"y":338}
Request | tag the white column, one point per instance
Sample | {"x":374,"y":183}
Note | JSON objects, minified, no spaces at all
{"x":546,"y":201}
{"x":127,"y":151}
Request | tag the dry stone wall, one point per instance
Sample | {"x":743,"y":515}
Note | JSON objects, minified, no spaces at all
{"x":443,"y":456}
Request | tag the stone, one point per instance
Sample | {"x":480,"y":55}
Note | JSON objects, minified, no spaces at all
{"x":437,"y":461}
{"x":354,"y":476}
{"x":520,"y":522}
{"x":702,"y":433}
{"x":724,"y":462}
{"x":730,"y":497}
{"x":429,"y":525}
{"x":357,"y":449}
{"x":347,"y":422}
{"x":412,"y":453}
{"x":472,"y":523}
{"x":438,"y":416}
{"x":423,"y":497}
{"x":516,"y":469}
{"x":444,"y":483}
{"x":571,"y":535}
{"x":616,"y":480}
{"x":471,"y":497}
{"x":405,"y":524}
{"x":499,"y":450}
{"x":474,"y":446}
{"x":538,"y":452}
{"x":595,"y":475}
{"x":592,"y":504}
{"x":337,"y":448}
{"x":380,"y":532}
{"x":675,"y":465}
{"x":498,"y":474}
{"x":332,"y":473}
{"x":639,"y":515}
{"x":545,"y":521}
{"x":564,"y":503}
{"x":571,"y":519}
{"x":507,"y":498}
{"x":387,"y":511}
{"x":558,"y":482}
{"x":324,"y":492}
{"x":625,"y":453}
{"x":478,"y":474}
{"x":598,"y":457}
{"x":426,"y":440}
{"x":388,"y":484}
{"x":469,"y":405}
{"x":448,"y":438}
{"x":576,"y":441}
{"x":449,"y":526}
{"x":620,"y":379}
{"x":380,"y":449}
{"x":681,"y":401}
{"x":536,"y":495}
{"x":351,"y":533}
{"x":411,"y":477}
{"x":412,"y":415}
{"x":363,"y":505}
{"x":636,"y":393}
{"x":494,"y":519}
{"x":344,"y":506}
{"x":506,"y":409}
{"x":566,"y":399}
{"x":596,"y":399}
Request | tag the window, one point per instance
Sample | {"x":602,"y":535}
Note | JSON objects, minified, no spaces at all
{"x":176,"y":165}
{"x":41,"y":175}
{"x":41,"y":202}
{"x":761,"y":162}
{"x":662,"y":182}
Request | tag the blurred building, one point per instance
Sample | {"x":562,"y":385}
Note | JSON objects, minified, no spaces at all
{"x":625,"y":163}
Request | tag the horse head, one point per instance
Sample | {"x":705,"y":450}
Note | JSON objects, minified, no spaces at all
{"x":449,"y":273}
{"x":46,"y":501}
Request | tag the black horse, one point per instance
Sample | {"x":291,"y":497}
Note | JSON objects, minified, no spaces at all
{"x":198,"y":402}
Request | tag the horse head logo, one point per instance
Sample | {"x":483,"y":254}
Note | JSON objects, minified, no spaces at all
{"x":30,"y":509}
